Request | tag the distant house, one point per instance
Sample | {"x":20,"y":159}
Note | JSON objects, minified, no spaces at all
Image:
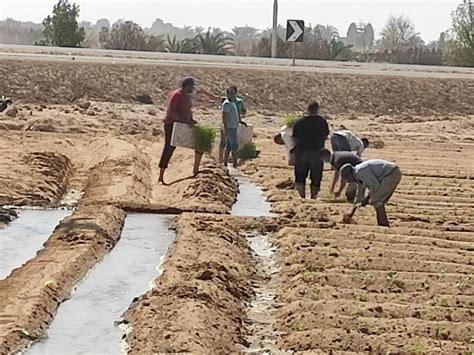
{"x":361,"y":37}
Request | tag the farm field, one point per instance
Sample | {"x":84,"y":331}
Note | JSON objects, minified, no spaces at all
{"x":80,"y":139}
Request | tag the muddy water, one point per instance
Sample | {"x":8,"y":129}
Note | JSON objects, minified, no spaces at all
{"x":251,"y":201}
{"x":23,"y":237}
{"x":85,"y":324}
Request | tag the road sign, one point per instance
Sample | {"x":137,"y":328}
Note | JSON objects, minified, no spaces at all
{"x":294,"y":30}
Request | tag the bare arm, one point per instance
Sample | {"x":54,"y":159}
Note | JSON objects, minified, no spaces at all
{"x":341,"y":188}
{"x":335,"y":179}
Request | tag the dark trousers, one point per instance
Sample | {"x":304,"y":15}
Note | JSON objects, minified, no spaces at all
{"x":340,"y":143}
{"x":168,"y":149}
{"x":307,"y":163}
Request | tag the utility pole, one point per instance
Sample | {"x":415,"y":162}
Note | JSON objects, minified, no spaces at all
{"x":275,"y":27}
{"x":471,"y":15}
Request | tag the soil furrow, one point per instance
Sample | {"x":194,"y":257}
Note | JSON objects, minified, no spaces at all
{"x":33,"y":292}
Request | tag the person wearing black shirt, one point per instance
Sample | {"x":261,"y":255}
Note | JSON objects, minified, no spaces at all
{"x":309,"y":134}
{"x":337,"y":161}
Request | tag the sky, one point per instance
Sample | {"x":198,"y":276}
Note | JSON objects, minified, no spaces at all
{"x":430,"y":17}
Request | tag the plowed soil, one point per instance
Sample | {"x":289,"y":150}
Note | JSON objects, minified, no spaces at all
{"x":362,"y":288}
{"x":80,"y":138}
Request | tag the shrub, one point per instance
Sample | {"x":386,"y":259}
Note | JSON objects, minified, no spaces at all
{"x":249,"y":151}
{"x":203,"y":138}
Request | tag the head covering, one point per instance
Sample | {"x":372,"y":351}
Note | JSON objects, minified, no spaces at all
{"x":346,"y":169}
{"x":188,"y":81}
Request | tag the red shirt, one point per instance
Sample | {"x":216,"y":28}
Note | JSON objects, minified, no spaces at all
{"x":179,"y":108}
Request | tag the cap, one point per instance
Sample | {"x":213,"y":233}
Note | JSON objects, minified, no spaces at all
{"x":188,"y":81}
{"x":346,"y":169}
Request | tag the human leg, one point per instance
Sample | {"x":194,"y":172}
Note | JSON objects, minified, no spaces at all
{"x":301,"y":173}
{"x":167,"y":153}
{"x":222,"y":146}
{"x":231,"y":146}
{"x":382,"y":219}
{"x":386,"y":189}
{"x":383,"y":194}
{"x":316,"y":166}
{"x":197,"y":161}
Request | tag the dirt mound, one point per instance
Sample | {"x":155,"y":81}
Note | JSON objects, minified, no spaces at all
{"x":198,"y":304}
{"x":7,"y":215}
{"x":213,"y":187}
{"x":263,"y":89}
{"x":122,"y":181}
{"x":44,"y":179}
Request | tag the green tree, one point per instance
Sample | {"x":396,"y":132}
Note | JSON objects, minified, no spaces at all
{"x":399,"y":34}
{"x":339,"y":51}
{"x":62,"y":29}
{"x":127,"y":35}
{"x":174,"y":45}
{"x":460,"y":48}
{"x":213,"y":42}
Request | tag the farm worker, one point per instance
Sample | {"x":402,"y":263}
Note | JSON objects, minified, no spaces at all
{"x":337,"y":161}
{"x":309,"y":133}
{"x":230,"y":124}
{"x":346,"y":141}
{"x":179,"y":110}
{"x":242,"y":109}
{"x":285,"y":137}
{"x":381,"y":177}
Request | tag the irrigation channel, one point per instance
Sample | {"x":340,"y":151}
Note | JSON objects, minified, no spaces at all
{"x":251,"y":202}
{"x":87,"y":322}
{"x":23,"y":237}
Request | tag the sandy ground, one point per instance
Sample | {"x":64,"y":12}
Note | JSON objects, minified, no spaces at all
{"x":80,"y":138}
{"x":269,"y":91}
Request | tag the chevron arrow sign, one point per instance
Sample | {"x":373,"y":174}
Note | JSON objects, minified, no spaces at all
{"x":294,"y":30}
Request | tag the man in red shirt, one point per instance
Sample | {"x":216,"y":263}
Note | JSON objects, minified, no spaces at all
{"x":179,"y":110}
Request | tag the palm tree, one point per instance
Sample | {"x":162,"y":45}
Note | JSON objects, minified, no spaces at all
{"x":339,"y":51}
{"x":174,"y":45}
{"x":214,"y":42}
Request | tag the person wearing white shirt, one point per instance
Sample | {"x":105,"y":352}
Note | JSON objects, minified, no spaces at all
{"x":285,"y":137}
{"x":381,"y":178}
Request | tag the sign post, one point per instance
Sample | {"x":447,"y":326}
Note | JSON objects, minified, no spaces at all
{"x":294,"y":33}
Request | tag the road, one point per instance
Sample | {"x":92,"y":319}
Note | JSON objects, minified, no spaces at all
{"x":158,"y":58}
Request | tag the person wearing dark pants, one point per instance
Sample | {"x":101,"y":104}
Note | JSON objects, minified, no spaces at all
{"x":309,"y":134}
{"x":346,"y":141}
{"x":179,"y":110}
